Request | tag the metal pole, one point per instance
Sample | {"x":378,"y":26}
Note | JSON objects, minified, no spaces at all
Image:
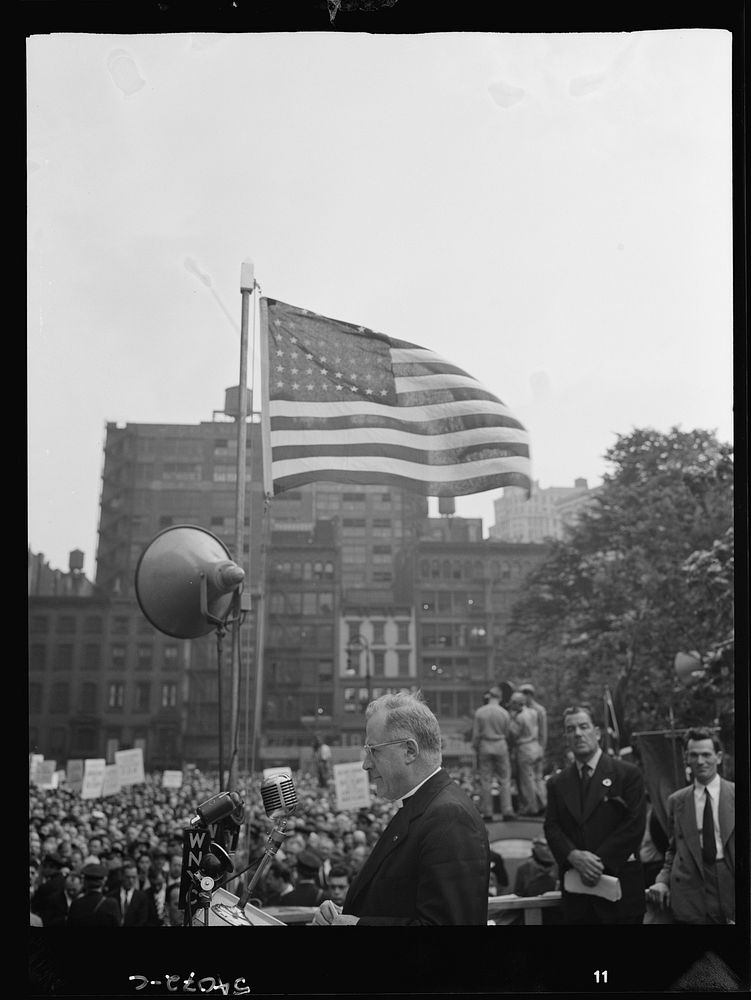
{"x":260,"y":643}
{"x":247,"y":284}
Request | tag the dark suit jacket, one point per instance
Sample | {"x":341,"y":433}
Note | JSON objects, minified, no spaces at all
{"x":610,"y":825}
{"x":49,"y":902}
{"x":93,"y":909}
{"x":137,"y":914}
{"x":431,"y":864}
{"x":303,"y":894}
{"x":683,"y":870}
{"x":153,"y":917}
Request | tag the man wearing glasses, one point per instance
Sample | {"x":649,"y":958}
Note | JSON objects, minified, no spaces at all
{"x":431,"y":865}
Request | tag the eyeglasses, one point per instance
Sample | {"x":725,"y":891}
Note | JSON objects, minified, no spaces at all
{"x":376,"y":746}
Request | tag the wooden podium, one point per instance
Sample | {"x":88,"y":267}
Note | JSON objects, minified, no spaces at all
{"x":224,"y":912}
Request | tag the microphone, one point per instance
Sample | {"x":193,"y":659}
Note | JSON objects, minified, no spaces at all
{"x":278,"y":793}
{"x":216,"y":808}
{"x":280,"y":801}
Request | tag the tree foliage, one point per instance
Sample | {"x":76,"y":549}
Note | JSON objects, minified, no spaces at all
{"x":646,"y":572}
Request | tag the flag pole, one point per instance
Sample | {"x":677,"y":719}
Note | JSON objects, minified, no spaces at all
{"x":263,"y":335}
{"x":247,"y":285}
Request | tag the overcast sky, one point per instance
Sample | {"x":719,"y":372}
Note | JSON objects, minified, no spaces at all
{"x":550,"y":212}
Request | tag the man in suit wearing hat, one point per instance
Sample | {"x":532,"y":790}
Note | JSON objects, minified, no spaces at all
{"x":490,"y":732}
{"x":538,"y":874}
{"x":697,"y":880}
{"x":306,"y":891}
{"x":431,"y":864}
{"x":49,"y":901}
{"x":92,"y":908}
{"x":594,"y":824}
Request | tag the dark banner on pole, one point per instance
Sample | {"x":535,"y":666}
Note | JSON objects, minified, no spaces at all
{"x":664,"y":771}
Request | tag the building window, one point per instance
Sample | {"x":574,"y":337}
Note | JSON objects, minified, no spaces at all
{"x":117,"y":656}
{"x":353,"y":629}
{"x":378,"y":663}
{"x":35,"y":698}
{"x":169,"y":695}
{"x":166,"y":744}
{"x":165,"y":521}
{"x":403,"y":658}
{"x":225,"y":474}
{"x":381,"y":576}
{"x":92,"y":624}
{"x":115,"y":696}
{"x":84,"y":738}
{"x":64,"y":657}
{"x":378,"y":628}
{"x":181,"y":472}
{"x":170,"y":654}
{"x":39,"y":624}
{"x":66,"y":624}
{"x":402,"y":633}
{"x":144,"y":656}
{"x":87,"y":697}
{"x":58,"y":738}
{"x":37,"y":657}
{"x":120,"y":625}
{"x":143,"y":697}
{"x":60,"y":703}
{"x":91,"y":654}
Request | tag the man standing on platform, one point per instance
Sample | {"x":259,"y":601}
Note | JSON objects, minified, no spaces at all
{"x":697,"y":880}
{"x":490,"y":731}
{"x":431,"y":865}
{"x":594,"y":825}
{"x":524,"y":730}
{"x":528,"y":691}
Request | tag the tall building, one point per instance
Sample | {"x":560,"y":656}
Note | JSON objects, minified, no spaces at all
{"x":542,"y":517}
{"x":351,"y":591}
{"x":464,"y":591}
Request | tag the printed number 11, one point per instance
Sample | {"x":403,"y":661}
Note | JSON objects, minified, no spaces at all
{"x":601,"y":976}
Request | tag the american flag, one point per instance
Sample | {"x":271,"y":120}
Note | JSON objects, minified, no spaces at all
{"x":346,"y":404}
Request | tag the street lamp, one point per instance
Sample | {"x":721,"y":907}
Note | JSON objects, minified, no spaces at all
{"x":357,"y":644}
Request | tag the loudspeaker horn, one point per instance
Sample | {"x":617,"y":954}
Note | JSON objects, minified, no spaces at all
{"x":186,"y":582}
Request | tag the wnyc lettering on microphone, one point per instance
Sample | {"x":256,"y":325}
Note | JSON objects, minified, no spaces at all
{"x":208,"y":984}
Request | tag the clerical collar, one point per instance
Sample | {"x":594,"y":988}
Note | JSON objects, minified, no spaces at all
{"x":400,"y":802}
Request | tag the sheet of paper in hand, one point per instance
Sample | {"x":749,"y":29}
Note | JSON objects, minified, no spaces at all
{"x":608,"y":886}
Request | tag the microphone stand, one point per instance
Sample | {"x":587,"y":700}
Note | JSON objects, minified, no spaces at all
{"x":274,"y":842}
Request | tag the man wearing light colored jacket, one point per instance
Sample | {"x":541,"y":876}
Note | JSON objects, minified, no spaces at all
{"x":697,"y":881}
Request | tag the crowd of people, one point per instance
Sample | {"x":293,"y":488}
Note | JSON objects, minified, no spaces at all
{"x":136,"y":839}
{"x":118,"y":860}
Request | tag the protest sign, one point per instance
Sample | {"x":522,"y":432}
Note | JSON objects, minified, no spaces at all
{"x":352,"y":786}
{"x":129,"y":765}
{"x":74,"y":775}
{"x":111,"y":781}
{"x":93,"y":778}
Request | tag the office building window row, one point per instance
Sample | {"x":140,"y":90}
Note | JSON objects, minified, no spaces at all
{"x":448,"y":634}
{"x":458,"y":602}
{"x":87,"y":697}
